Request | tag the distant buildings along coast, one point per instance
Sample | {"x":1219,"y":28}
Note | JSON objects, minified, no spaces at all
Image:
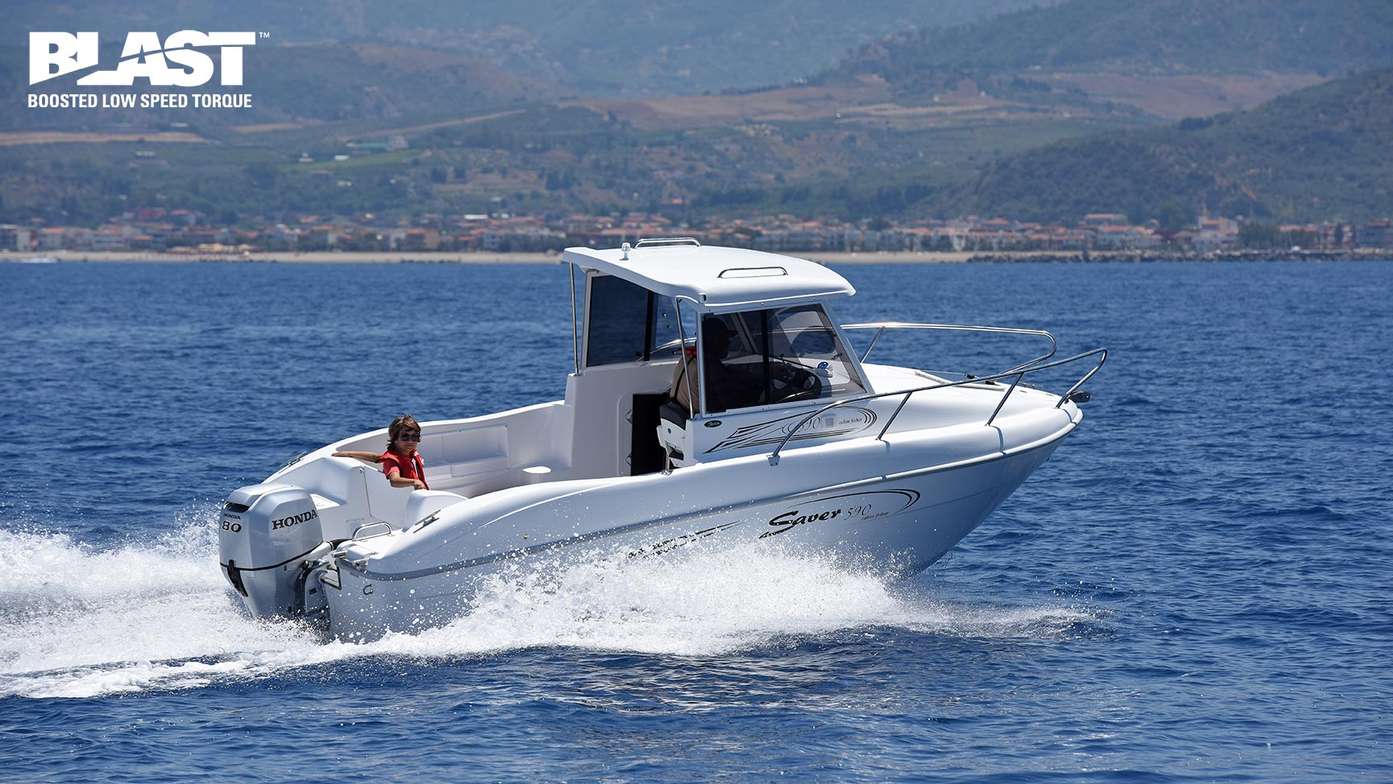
{"x":178,"y":230}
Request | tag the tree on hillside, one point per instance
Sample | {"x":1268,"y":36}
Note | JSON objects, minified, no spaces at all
{"x":1260,"y":236}
{"x":1174,"y":215}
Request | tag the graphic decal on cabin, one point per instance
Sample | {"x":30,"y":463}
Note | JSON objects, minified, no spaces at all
{"x":840,"y":421}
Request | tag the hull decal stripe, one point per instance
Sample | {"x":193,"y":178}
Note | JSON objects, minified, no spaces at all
{"x":522,"y":551}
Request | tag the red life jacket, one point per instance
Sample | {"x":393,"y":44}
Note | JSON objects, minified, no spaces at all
{"x":409,"y":468}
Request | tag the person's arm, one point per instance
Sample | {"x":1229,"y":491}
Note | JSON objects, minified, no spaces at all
{"x":370,"y":457}
{"x":684,"y":383}
{"x":394,"y":476}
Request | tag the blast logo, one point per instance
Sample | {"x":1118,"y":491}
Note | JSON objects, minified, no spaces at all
{"x":55,"y":54}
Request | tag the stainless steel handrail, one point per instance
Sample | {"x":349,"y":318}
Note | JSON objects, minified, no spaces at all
{"x":881,"y":326}
{"x":693,"y":395}
{"x":386,"y":526}
{"x":660,"y":241}
{"x":782,"y":272}
{"x":575,"y":330}
{"x":1017,"y":372}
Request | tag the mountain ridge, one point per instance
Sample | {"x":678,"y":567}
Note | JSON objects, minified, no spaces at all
{"x":604,"y":47}
{"x":1327,"y":36}
{"x":374,"y":126}
{"x":1316,"y":153}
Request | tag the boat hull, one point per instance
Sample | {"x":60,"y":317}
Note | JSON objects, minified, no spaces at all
{"x":896,"y":522}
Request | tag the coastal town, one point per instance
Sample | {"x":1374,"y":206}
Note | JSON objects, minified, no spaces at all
{"x":182,"y":231}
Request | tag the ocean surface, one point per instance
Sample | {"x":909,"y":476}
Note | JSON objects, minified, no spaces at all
{"x":1197,"y":587}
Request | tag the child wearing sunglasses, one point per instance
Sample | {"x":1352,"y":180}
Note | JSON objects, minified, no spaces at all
{"x":401,"y":462}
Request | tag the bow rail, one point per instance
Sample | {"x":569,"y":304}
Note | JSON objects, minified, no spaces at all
{"x":881,"y":326}
{"x":1015,"y":374}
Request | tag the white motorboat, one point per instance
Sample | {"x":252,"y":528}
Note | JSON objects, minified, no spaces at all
{"x":777,"y":432}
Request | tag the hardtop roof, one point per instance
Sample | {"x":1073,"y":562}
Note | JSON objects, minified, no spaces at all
{"x":720,"y":279}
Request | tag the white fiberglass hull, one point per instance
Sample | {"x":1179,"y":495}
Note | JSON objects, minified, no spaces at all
{"x":901,"y":515}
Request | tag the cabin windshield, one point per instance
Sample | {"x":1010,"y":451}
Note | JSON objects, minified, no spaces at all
{"x":766,"y":357}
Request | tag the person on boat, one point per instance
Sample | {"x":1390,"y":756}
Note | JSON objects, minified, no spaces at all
{"x":686,"y":379}
{"x":402,"y":462}
{"x":736,"y":375}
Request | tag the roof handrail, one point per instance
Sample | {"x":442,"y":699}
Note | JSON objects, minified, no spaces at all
{"x":657,"y":242}
{"x":754,"y":272}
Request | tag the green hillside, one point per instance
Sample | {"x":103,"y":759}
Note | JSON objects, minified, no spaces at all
{"x":593,"y":46}
{"x":1329,"y":36}
{"x":1317,"y":153}
{"x":984,"y":119}
{"x":1314,"y":154}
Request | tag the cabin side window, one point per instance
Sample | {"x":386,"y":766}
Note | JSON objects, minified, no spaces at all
{"x":665,"y":343}
{"x":766,"y":357}
{"x":628,"y":323}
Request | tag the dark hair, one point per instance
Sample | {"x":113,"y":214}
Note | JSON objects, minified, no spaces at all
{"x":401,"y":424}
{"x":716,"y":334}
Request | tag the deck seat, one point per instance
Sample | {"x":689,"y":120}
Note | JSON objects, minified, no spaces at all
{"x":672,"y":429}
{"x":673,"y":412}
{"x":423,"y":503}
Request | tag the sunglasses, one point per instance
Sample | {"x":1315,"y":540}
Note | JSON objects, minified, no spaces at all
{"x":409,"y":437}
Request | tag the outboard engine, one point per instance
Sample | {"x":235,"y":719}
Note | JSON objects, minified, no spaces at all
{"x":265,"y":535}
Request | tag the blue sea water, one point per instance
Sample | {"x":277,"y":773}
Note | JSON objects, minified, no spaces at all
{"x":1195,"y":588}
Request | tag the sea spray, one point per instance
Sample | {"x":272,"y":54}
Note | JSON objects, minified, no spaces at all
{"x":77,"y":622}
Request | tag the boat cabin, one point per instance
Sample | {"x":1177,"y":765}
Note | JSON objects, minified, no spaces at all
{"x":710,"y":352}
{"x":684,"y":354}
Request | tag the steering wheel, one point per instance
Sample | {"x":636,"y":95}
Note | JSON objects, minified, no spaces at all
{"x":791,"y":383}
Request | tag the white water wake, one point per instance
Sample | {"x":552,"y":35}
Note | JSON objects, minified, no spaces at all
{"x":77,"y":622}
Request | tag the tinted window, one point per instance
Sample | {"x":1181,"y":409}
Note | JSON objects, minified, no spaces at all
{"x":802,"y":338}
{"x":734,"y":361}
{"x":664,"y":344}
{"x":765,"y":357}
{"x":631,"y":324}
{"x":618,"y":322}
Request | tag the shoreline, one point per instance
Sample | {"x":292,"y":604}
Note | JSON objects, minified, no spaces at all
{"x":873,"y":257}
